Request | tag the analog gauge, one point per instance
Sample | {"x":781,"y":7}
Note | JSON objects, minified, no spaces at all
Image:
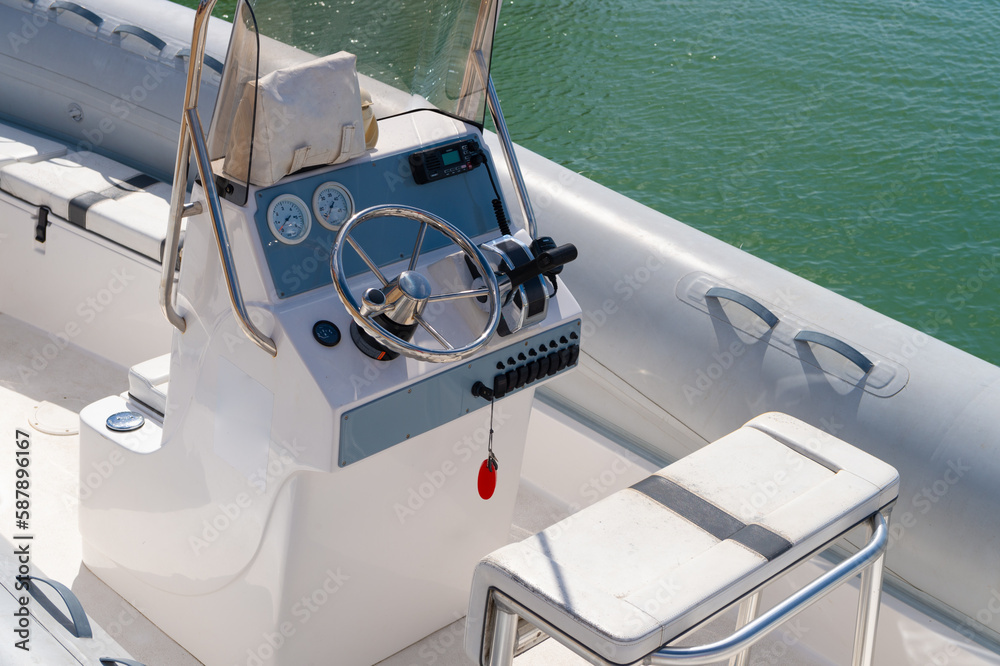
{"x":332,"y":204}
{"x":289,"y":219}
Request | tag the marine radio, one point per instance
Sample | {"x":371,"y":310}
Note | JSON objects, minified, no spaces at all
{"x":445,"y":161}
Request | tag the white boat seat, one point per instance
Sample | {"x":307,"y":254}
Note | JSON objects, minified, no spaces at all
{"x":148,"y":382}
{"x":627,"y":575}
{"x":98,"y":194}
{"x":17,"y":145}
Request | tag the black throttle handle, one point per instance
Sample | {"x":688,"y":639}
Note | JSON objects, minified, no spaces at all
{"x":545,"y":262}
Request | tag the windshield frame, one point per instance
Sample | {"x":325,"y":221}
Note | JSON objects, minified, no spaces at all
{"x":463,"y":33}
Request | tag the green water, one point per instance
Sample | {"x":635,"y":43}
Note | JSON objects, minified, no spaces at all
{"x":855,"y":143}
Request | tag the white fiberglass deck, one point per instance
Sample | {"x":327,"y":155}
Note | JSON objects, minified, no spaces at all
{"x":44,"y":383}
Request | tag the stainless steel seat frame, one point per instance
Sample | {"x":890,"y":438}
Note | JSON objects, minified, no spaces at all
{"x":507,"y":639}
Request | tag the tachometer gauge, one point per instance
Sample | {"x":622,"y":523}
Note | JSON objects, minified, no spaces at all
{"x":332,"y":204}
{"x":289,"y":219}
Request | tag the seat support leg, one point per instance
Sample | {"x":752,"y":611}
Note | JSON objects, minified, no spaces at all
{"x":504,"y":637}
{"x":748,"y":612}
{"x":868,"y":606}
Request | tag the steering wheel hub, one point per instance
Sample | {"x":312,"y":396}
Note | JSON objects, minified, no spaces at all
{"x":403,"y":299}
{"x":406,"y":297}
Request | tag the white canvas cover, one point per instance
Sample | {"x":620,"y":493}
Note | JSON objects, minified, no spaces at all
{"x":308,"y":114}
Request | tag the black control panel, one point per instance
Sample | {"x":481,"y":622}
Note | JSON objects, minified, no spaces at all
{"x":544,"y":360}
{"x":446,"y":161}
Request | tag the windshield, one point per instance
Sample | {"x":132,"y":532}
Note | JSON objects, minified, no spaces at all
{"x":421,"y":47}
{"x":411,"y":54}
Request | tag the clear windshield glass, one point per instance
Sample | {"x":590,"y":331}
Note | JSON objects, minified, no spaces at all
{"x":411,"y":54}
{"x":420,"y":47}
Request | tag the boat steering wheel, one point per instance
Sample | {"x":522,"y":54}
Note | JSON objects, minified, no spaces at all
{"x":388,"y":312}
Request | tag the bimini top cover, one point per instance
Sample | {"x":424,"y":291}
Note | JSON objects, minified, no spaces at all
{"x":421,"y":54}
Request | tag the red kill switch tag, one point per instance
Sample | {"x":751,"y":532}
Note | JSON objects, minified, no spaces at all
{"x":488,"y":478}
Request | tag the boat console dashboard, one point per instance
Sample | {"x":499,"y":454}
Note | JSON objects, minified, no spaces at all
{"x":297,"y":220}
{"x":295,"y":225}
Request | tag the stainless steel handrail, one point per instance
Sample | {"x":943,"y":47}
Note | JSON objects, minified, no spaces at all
{"x":869,"y":556}
{"x":192,"y":133}
{"x":868,"y":561}
{"x":493,"y":102}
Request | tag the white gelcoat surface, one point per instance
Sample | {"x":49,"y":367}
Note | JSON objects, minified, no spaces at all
{"x":242,"y":421}
{"x":77,"y":378}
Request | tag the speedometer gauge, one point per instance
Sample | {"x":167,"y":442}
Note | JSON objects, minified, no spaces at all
{"x":332,"y":204}
{"x":289,"y":219}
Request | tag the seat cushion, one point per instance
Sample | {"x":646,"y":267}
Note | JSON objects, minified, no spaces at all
{"x":17,"y":145}
{"x":137,"y":220}
{"x":637,"y":569}
{"x":98,"y":194}
{"x":148,"y":382}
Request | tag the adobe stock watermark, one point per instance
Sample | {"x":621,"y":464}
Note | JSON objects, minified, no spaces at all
{"x":280,"y":459}
{"x":303,"y":610}
{"x":627,"y":286}
{"x":723,"y":360}
{"x":892,"y":192}
{"x":123,"y":106}
{"x":924,"y":501}
{"x":756,"y":161}
{"x":262,"y":319}
{"x":28,"y":29}
{"x":462,"y":452}
{"x":441,"y":644}
{"x":115,"y":626}
{"x":776,"y":652}
{"x":98,"y":473}
{"x":943,"y":655}
{"x":765,"y":491}
{"x":302,"y":272}
{"x":87,"y":311}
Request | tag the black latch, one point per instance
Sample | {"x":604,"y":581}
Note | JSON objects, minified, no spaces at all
{"x":42,"y":223}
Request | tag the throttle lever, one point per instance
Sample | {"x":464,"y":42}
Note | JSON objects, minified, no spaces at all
{"x":545,"y":262}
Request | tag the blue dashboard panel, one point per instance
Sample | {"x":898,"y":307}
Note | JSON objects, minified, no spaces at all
{"x":384,"y":422}
{"x":465,"y":200}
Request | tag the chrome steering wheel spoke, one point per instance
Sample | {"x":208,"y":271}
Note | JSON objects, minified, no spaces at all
{"x":469,"y":293}
{"x":430,"y":329}
{"x":372,"y":266}
{"x":417,"y":246}
{"x":407,"y":295}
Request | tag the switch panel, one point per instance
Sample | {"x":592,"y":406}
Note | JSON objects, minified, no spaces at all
{"x":439,"y":399}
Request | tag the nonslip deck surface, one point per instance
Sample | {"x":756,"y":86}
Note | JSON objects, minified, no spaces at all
{"x":45,"y":381}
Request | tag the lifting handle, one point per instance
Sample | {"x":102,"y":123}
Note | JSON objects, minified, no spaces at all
{"x":81,"y":625}
{"x":79,"y":10}
{"x":749,"y":303}
{"x":141,"y":33}
{"x":839,"y":346}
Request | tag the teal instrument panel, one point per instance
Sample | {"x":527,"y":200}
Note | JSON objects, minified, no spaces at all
{"x":465,"y":200}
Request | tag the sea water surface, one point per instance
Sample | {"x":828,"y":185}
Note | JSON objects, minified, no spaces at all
{"x":853,"y":142}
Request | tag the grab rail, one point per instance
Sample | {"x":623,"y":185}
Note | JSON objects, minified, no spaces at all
{"x":749,"y":303}
{"x":867,"y":561}
{"x":493,"y":101}
{"x":839,"y":346}
{"x":192,"y":133}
